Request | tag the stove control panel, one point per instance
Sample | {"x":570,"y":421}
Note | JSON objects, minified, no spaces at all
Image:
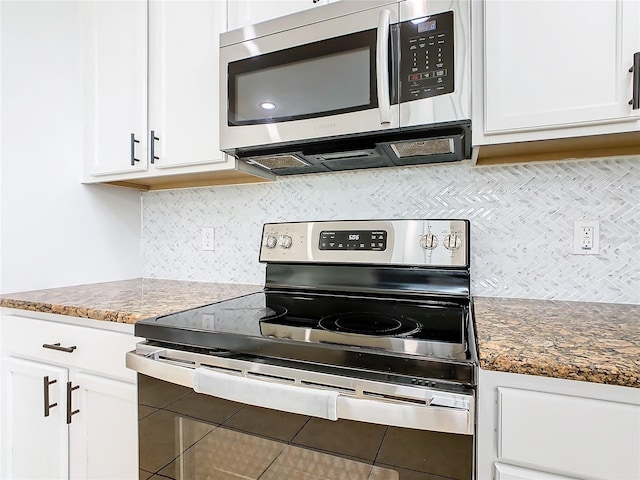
{"x":428,"y":243}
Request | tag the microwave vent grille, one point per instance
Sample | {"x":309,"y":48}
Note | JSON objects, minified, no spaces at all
{"x":435,"y":146}
{"x":273,"y":162}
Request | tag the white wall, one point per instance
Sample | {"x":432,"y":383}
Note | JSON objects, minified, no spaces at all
{"x":54,"y":231}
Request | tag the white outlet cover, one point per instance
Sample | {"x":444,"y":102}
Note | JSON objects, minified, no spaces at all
{"x":578,"y":237}
{"x":207,"y":238}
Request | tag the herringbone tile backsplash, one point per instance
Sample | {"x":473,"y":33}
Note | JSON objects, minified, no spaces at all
{"x":521,"y":222}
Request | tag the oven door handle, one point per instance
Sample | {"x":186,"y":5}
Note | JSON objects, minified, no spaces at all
{"x":267,"y":394}
{"x":439,"y":414}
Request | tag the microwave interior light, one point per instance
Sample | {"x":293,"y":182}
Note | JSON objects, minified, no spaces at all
{"x":268,"y":106}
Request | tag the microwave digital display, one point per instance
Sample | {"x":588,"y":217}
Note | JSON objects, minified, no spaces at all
{"x":426,"y":26}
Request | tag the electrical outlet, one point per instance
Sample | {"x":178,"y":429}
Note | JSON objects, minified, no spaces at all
{"x":586,"y":237}
{"x":207,"y":238}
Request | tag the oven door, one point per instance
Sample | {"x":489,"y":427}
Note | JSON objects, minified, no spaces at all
{"x":254,"y":420}
{"x":326,"y":78}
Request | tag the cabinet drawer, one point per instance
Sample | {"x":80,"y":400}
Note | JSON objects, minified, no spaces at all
{"x":570,"y":435}
{"x":509,"y":472}
{"x":99,"y":351}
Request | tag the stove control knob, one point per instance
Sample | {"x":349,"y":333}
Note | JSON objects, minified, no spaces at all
{"x":271,"y":242}
{"x":286,"y":241}
{"x":429,"y":241}
{"x":452,"y":242}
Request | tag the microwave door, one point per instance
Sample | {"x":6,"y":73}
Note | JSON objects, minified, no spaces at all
{"x":324,"y":79}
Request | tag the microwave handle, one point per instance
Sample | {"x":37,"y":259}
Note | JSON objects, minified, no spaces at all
{"x":382,"y":66}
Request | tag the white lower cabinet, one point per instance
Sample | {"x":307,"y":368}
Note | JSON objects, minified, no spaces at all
{"x":546,"y":428}
{"x":69,"y":410}
{"x":36,"y":441}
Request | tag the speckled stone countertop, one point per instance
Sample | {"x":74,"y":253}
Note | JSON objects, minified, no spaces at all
{"x":125,"y":301}
{"x":593,"y":342}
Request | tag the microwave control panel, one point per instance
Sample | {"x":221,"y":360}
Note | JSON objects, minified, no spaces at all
{"x":426,"y":57}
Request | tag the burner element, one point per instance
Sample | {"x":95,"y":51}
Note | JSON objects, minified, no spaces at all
{"x":271,"y":312}
{"x":369,"y":323}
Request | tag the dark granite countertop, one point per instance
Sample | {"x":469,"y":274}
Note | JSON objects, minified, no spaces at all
{"x":125,"y":301}
{"x":593,"y":342}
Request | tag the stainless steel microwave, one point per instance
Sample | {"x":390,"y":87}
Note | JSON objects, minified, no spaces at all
{"x":352,"y":84}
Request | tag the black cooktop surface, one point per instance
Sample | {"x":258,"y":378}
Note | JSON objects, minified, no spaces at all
{"x":433,"y":328}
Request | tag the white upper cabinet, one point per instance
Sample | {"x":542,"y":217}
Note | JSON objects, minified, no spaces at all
{"x":151,"y":71}
{"x":114,"y":39}
{"x":248,"y":12}
{"x":546,"y":69}
{"x":183,"y":81}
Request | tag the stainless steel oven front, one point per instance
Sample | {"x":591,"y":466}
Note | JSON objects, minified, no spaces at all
{"x":357,"y":361}
{"x":204,"y":415}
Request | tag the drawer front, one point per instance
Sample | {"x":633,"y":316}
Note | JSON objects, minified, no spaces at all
{"x":569,"y":435}
{"x":509,"y":472}
{"x":96,"y":350}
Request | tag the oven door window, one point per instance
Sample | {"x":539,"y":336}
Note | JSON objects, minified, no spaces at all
{"x":185,"y":435}
{"x":314,"y":80}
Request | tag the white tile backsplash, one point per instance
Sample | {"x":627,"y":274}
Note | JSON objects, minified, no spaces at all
{"x":521,"y":222}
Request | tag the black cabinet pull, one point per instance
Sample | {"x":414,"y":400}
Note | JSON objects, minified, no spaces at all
{"x":70,"y":411}
{"x":47,"y":406}
{"x":635,"y":69}
{"x":56,"y":346}
{"x":133,"y":149}
{"x":152,"y":147}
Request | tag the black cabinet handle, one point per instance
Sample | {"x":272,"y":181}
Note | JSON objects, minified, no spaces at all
{"x":47,"y":406}
{"x":56,"y":346}
{"x":152,"y":146}
{"x":133,"y":149}
{"x":635,"y":69}
{"x":70,"y":411}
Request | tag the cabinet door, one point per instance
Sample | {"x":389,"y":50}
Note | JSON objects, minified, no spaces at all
{"x":183,"y":81}
{"x":103,"y":434}
{"x":248,"y":12}
{"x":115,"y":61}
{"x":561,"y":63}
{"x":35,"y":445}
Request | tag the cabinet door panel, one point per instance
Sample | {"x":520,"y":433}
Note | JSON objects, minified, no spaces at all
{"x":104,"y":435}
{"x":248,"y":12}
{"x":183,"y":80}
{"x":551,"y":64}
{"x":115,"y":56}
{"x":35,"y":446}
{"x":579,"y":436}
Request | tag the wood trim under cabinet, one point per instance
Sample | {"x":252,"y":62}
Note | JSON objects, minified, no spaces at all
{"x":616,"y":144}
{"x":190,"y":180}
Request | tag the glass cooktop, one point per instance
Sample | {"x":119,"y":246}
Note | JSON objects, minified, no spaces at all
{"x":428,"y":328}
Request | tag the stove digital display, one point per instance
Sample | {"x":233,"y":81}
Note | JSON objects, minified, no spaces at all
{"x":372,"y":240}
